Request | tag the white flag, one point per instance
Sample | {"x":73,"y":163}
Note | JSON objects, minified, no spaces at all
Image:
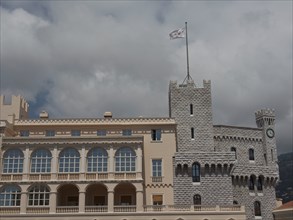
{"x":179,"y":33}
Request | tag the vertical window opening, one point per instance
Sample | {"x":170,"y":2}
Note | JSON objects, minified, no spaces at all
{"x":196,"y":172}
{"x":191,"y":109}
{"x":192,"y":133}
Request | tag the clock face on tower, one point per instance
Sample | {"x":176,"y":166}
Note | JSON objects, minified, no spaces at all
{"x":270,"y":133}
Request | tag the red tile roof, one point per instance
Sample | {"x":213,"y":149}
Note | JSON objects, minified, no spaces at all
{"x":287,"y":205}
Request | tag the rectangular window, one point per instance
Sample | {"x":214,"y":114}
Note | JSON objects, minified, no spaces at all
{"x":157,"y":167}
{"x":192,"y":133}
{"x":191,"y":109}
{"x":156,"y":134}
{"x":75,"y":132}
{"x":157,"y":199}
{"x":101,"y":132}
{"x":126,"y":132}
{"x":24,"y":133}
{"x":50,"y":133}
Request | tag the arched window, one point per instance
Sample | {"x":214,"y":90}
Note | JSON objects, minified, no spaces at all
{"x":39,"y":196}
{"x":10,"y":196}
{"x":233,"y":149}
{"x":257,"y":208}
{"x":259,"y":183}
{"x":41,"y":161}
{"x":97,"y":160}
{"x":13,"y":161}
{"x":251,"y":183}
{"x":196,"y":199}
{"x":195,"y":172}
{"x":69,"y":161}
{"x":251,"y":154}
{"x":125,"y":160}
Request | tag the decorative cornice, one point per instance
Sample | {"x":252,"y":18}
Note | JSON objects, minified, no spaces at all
{"x":96,"y":121}
{"x":26,"y":141}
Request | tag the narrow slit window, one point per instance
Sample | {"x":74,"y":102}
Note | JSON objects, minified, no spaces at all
{"x":192,"y":133}
{"x":191,"y":109}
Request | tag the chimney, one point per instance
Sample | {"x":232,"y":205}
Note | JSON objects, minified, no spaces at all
{"x":44,"y":115}
{"x":108,"y":115}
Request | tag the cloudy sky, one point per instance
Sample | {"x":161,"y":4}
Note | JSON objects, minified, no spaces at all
{"x":82,"y":58}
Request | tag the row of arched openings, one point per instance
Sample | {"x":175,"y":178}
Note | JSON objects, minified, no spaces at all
{"x":69,"y":160}
{"x":68,"y":195}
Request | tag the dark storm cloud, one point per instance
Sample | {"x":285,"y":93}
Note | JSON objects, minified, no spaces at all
{"x":116,"y":56}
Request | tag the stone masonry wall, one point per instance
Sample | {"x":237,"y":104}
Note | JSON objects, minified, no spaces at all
{"x":180,"y":98}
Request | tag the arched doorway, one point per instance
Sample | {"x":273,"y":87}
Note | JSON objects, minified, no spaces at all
{"x":68,"y":195}
{"x":96,"y":195}
{"x":124,"y":194}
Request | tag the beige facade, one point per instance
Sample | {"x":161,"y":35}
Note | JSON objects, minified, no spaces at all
{"x":101,"y":168}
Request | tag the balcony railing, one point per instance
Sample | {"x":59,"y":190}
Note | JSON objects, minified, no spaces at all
{"x":37,"y":210}
{"x":67,"y":209}
{"x":157,"y":179}
{"x":96,"y":209}
{"x":71,"y":176}
{"x":125,"y":209}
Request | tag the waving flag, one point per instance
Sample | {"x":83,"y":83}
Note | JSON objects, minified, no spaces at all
{"x":179,"y":33}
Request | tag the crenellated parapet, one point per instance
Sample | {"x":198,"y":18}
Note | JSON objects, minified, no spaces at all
{"x":204,"y":158}
{"x":265,"y":117}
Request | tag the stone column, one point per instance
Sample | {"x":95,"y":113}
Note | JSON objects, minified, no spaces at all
{"x":26,"y":163}
{"x":23,"y":202}
{"x":111,"y":200}
{"x":81,"y":201}
{"x":53,"y":202}
{"x":139,"y":201}
{"x":111,"y":187}
{"x":139,"y":160}
{"x":111,"y":162}
{"x":82,"y":162}
{"x":54,"y":163}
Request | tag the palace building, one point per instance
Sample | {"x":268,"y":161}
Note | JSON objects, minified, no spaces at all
{"x":179,"y":167}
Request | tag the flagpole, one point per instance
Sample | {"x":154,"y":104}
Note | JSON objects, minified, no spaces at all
{"x":188,"y":76}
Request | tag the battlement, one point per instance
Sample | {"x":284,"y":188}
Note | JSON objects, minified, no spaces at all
{"x":17,"y":108}
{"x":189,"y":84}
{"x":265,"y":113}
{"x":265,"y":117}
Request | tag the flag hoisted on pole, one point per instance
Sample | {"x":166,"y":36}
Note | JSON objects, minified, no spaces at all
{"x":182,"y":33}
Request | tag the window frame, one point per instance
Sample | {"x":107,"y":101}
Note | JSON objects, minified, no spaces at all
{"x":124,"y":161}
{"x":69,"y":161}
{"x":13,"y":163}
{"x":196,"y":172}
{"x":257,"y":208}
{"x":157,"y":170}
{"x":97,"y":160}
{"x":10,"y":196}
{"x":39,"y":195}
{"x":41,"y":163}
{"x":126,"y":132}
{"x":50,"y":133}
{"x":75,"y":133}
{"x":251,"y":155}
{"x":156,"y":134}
{"x":197,"y":199}
{"x":101,"y":132}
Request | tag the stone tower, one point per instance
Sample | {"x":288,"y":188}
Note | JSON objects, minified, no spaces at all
{"x":202,"y":175}
{"x":265,"y":119}
{"x":192,"y":109}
